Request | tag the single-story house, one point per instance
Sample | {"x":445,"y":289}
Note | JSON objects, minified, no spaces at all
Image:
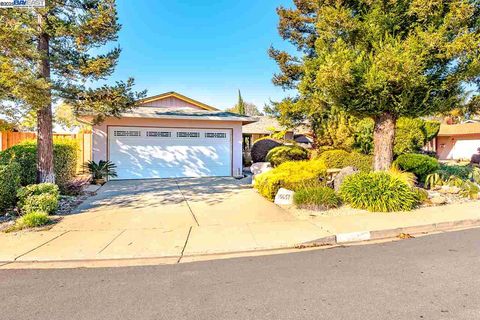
{"x":458,"y":141}
{"x":264,"y":127}
{"x":170,"y":135}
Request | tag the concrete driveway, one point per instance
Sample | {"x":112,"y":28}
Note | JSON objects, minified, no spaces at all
{"x":171,"y":204}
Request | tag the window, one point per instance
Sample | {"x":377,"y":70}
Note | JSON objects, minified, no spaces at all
{"x":220,"y":135}
{"x":161,"y":134}
{"x":125,"y":133}
{"x":188,"y":134}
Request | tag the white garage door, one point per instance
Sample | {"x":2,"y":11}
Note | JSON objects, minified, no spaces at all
{"x":142,"y":153}
{"x":464,"y":149}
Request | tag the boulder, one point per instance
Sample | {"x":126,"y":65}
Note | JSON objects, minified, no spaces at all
{"x":345,"y":172}
{"x":260,"y":167}
{"x":439,"y":200}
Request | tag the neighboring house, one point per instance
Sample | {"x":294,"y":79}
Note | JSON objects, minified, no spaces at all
{"x":170,"y":135}
{"x":264,"y":127}
{"x":458,"y":141}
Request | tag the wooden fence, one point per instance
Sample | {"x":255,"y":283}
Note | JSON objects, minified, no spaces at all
{"x":9,"y":139}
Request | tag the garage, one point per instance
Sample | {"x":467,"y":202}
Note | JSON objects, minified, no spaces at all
{"x":163,"y":152}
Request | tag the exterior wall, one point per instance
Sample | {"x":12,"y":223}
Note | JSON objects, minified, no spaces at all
{"x":100,"y":141}
{"x":445,"y":145}
{"x":171,"y":102}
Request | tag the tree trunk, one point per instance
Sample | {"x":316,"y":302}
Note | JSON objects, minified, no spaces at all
{"x":383,"y":139}
{"x":45,"y":171}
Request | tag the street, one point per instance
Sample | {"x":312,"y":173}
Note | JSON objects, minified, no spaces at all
{"x":432,"y":277}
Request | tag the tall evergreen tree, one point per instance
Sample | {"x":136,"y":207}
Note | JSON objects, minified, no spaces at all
{"x":380,"y":59}
{"x":240,"y":104}
{"x":48,"y":54}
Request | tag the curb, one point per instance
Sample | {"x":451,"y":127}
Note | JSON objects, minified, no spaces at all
{"x":359,"y":236}
{"x":333,"y":240}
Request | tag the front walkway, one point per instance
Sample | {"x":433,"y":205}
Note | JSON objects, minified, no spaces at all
{"x":175,"y":219}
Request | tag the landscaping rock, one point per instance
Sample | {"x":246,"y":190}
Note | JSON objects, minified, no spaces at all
{"x":260,"y":167}
{"x":345,"y":172}
{"x":284,"y":197}
{"x":449,"y":190}
{"x":439,"y":200}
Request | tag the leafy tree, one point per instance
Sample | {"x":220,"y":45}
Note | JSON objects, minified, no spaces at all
{"x":378,"y":59}
{"x":50,"y":53}
{"x":249,"y":109}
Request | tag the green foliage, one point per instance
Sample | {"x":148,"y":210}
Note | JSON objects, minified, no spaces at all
{"x":9,"y":184}
{"x":38,"y":197}
{"x":419,"y":164}
{"x":383,"y":60}
{"x":431,"y":129}
{"x":422,"y":194}
{"x":240,"y":104}
{"x":316,"y":198}
{"x":291,"y":175}
{"x":25,"y":154}
{"x":32,"y":219}
{"x":337,"y":159}
{"x":463,"y":172}
{"x":261,"y":147}
{"x":101,"y":170}
{"x":469,"y":190}
{"x":409,"y":136}
{"x":279,"y":155}
{"x":363,"y":136}
{"x":69,"y":31}
{"x":378,"y":192}
{"x":433,"y":180}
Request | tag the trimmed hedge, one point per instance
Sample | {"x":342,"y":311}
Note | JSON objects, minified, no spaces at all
{"x":378,"y":192}
{"x":261,"y":147}
{"x":338,"y":159}
{"x":419,"y":164}
{"x":291,"y":175}
{"x":317,"y":198}
{"x":9,"y":184}
{"x":279,"y":155}
{"x":25,"y":154}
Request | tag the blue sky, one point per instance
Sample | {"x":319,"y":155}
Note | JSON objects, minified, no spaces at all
{"x":206,"y":50}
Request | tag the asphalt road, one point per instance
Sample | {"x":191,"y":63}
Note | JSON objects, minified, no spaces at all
{"x":434,"y":277}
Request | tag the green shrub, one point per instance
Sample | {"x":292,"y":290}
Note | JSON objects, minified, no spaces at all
{"x":422,"y":194}
{"x":38,"y":197}
{"x":334,"y":158}
{"x":316,"y":198}
{"x":463,"y":172}
{"x":291,"y":175}
{"x":32,"y":219}
{"x":378,"y":191}
{"x":410,"y":136}
{"x":25,"y":154}
{"x":279,"y":155}
{"x":337,"y":159}
{"x":419,"y":164}
{"x":9,"y":184}
{"x":261,"y":147}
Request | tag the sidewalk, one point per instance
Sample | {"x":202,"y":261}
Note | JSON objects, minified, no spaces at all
{"x":176,"y":244}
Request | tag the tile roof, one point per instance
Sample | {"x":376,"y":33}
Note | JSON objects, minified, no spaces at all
{"x":459,"y":129}
{"x":191,"y":114}
{"x":262,"y":125}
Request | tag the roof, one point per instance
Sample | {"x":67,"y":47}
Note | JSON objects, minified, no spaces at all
{"x":187,"y":114}
{"x":178,"y":96}
{"x":459,"y":129}
{"x":262,"y":125}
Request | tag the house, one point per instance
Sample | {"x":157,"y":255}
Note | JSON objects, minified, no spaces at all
{"x":266,"y":126}
{"x":458,"y":141}
{"x":170,"y":135}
